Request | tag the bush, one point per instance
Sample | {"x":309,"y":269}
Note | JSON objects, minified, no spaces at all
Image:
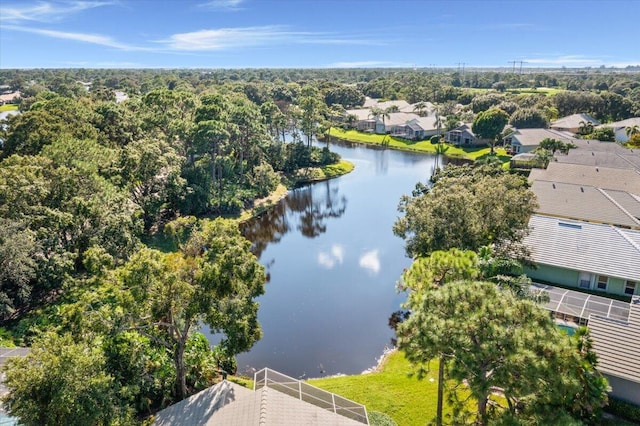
{"x":377,"y":418}
{"x":623,"y":409}
{"x":435,"y":139}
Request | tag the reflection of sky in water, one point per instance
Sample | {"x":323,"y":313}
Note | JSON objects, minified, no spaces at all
{"x":331,"y":258}
{"x":370,"y":261}
{"x":329,"y":299}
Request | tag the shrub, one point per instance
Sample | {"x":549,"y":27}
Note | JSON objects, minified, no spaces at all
{"x":377,"y":418}
{"x":623,"y":409}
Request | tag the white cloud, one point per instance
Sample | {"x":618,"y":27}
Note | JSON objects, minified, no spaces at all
{"x":239,"y":37}
{"x":82,"y":37}
{"x":46,"y":11}
{"x":335,"y":256}
{"x":222,"y":4}
{"x":370,"y":261}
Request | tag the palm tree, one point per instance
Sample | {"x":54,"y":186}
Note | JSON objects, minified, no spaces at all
{"x":439,"y":123}
{"x":632,"y":130}
{"x":420,"y":108}
{"x":377,"y":113}
{"x":586,"y":128}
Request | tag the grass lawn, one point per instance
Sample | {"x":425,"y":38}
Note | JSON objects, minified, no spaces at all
{"x":421,"y":146}
{"x":8,"y":107}
{"x":405,"y":399}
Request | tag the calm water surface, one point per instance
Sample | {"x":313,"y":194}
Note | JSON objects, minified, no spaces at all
{"x":333,"y":262}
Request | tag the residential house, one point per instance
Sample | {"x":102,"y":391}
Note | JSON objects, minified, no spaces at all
{"x":618,"y":348}
{"x":602,"y":177}
{"x":418,"y":128}
{"x":619,"y":157}
{"x":364,"y":121}
{"x":587,"y":256}
{"x":614,"y":327}
{"x":573,"y":123}
{"x":620,"y":128}
{"x":587,"y":203}
{"x":401,"y":105}
{"x":527,"y":140}
{"x":275,"y":400}
{"x":463,"y":136}
{"x":10,"y":97}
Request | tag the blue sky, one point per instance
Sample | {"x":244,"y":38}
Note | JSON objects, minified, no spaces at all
{"x":317,"y":33}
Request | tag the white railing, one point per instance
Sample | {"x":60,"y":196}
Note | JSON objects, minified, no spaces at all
{"x":311,"y":394}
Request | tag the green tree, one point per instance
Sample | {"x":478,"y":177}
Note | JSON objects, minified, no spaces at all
{"x":62,"y":382}
{"x":427,"y":273}
{"x":604,"y":134}
{"x":466,"y":212}
{"x":493,"y":341}
{"x":529,"y":118}
{"x":489,"y":125}
{"x":212,"y":280}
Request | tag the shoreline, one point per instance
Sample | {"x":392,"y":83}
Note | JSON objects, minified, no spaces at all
{"x":315,"y":174}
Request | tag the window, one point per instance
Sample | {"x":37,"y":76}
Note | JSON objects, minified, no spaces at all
{"x":601,"y":284}
{"x":630,"y":288}
{"x":585,"y":280}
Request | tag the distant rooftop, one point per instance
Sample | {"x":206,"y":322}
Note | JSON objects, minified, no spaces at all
{"x":573,"y":121}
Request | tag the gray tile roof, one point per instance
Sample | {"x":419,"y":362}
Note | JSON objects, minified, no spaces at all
{"x":230,"y":404}
{"x":588,"y":203}
{"x":629,"y":122}
{"x":598,"y":146}
{"x":582,"y":246}
{"x":630,"y":160}
{"x":617,"y":343}
{"x":601,"y":177}
{"x":533,"y":137}
{"x":573,"y":121}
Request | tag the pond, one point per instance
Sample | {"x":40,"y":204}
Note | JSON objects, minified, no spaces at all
{"x":333,"y":263}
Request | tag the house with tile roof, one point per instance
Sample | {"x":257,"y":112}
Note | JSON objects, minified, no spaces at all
{"x":579,"y":174}
{"x":276,"y":399}
{"x":573,"y":123}
{"x":618,"y":348}
{"x":620,"y":128}
{"x":463,"y":136}
{"x":527,"y":140}
{"x":587,"y":203}
{"x":587,"y":256}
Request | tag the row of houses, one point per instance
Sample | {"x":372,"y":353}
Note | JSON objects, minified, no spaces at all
{"x":401,"y":119}
{"x":585,"y":242}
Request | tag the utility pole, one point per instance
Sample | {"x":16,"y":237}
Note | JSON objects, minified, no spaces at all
{"x":514,"y":65}
{"x":522,"y":62}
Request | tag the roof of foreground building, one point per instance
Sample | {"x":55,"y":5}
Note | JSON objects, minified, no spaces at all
{"x":277,"y":400}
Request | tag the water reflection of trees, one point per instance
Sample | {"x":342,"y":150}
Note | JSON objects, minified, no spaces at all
{"x":305,"y":209}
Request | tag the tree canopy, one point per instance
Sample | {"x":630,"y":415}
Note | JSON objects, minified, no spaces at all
{"x":466,"y":212}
